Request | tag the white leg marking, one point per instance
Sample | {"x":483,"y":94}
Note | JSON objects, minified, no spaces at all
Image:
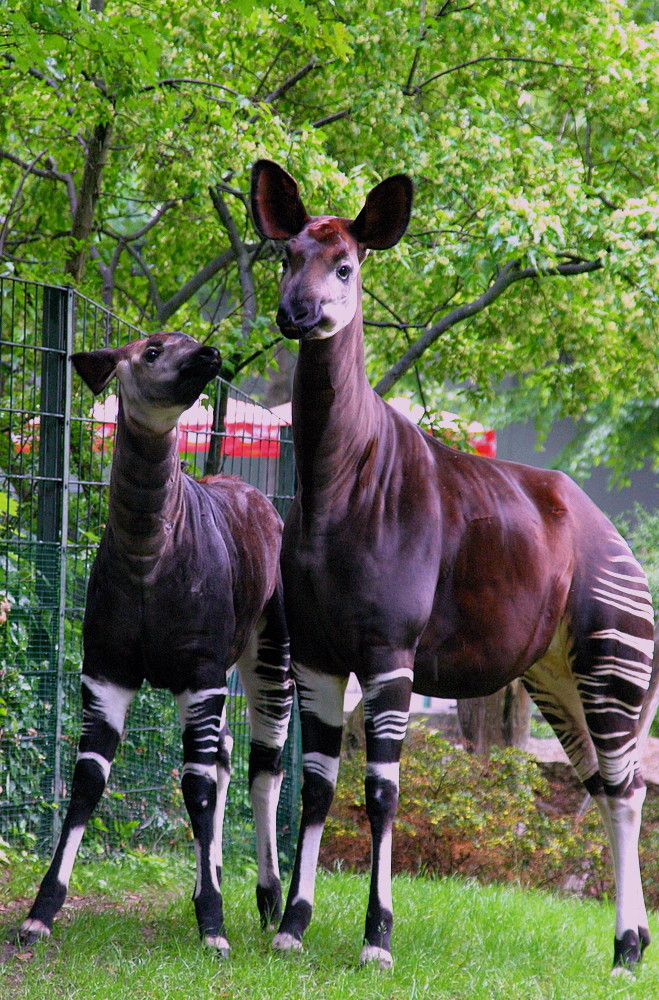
{"x":387,"y":772}
{"x":98,"y":759}
{"x":32,"y":926}
{"x":384,"y":871}
{"x":371,"y":953}
{"x":264,"y":796}
{"x":322,"y":764}
{"x":622,"y":820}
{"x":286,"y":942}
{"x":223,"y":780}
{"x":308,"y":863}
{"x":204,"y":770}
{"x":219,"y":943}
{"x":188,"y":702}
{"x":69,"y":854}
{"x":320,"y":694}
{"x":111,"y":701}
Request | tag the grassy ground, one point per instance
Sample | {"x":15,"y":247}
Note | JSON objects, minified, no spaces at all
{"x":128,"y":933}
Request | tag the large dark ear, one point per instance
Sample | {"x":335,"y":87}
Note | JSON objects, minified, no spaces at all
{"x":385,"y":215}
{"x":277,"y":208}
{"x":96,"y":368}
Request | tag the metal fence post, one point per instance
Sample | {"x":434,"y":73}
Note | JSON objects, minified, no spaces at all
{"x":49,"y":568}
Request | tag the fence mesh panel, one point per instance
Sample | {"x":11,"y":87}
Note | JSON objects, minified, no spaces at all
{"x":55,"y":456}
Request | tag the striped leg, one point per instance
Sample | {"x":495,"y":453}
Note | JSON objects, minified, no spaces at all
{"x":268,"y":686}
{"x":321,"y":716}
{"x":206,"y":754}
{"x":592,"y":692}
{"x":614,"y":683}
{"x":386,"y":714}
{"x":103,"y":714}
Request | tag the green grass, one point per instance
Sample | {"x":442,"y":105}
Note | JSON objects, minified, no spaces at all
{"x":130,"y":935}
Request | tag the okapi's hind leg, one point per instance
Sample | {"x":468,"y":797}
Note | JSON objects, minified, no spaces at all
{"x":593,"y":694}
{"x":103,"y":715}
{"x":268,"y":684}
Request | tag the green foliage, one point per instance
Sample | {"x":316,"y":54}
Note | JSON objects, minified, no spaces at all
{"x":530,"y":136}
{"x":461,"y":814}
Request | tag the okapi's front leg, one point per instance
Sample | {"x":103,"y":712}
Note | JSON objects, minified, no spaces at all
{"x":386,"y":714}
{"x":321,"y":722}
{"x":268,"y":686}
{"x":206,"y":758}
{"x":103,"y":714}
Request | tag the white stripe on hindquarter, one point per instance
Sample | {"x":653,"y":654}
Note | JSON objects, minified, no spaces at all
{"x":644,"y":646}
{"x":623,"y":603}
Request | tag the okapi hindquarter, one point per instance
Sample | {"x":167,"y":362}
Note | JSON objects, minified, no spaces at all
{"x":184,"y":575}
{"x":422,"y":568}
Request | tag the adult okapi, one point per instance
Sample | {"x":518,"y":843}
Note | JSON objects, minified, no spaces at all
{"x":185,"y":572}
{"x":424,"y":569}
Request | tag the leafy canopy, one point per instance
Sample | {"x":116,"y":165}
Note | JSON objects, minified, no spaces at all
{"x":127,"y":132}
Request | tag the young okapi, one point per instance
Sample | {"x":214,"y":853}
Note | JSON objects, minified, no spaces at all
{"x":425,"y":569}
{"x":185,"y":572}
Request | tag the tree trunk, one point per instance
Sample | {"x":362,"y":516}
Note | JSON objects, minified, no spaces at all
{"x":502,"y":719}
{"x":90,"y":189}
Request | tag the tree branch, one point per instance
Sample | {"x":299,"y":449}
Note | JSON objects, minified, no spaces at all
{"x":51,"y":174}
{"x":242,"y":259}
{"x":279,"y":91}
{"x":90,"y":190}
{"x":155,"y":218}
{"x":192,"y":286}
{"x":481,"y":59}
{"x":508,"y":275}
{"x":15,"y":197}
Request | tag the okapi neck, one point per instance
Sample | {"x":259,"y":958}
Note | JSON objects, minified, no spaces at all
{"x":145,"y":491}
{"x":333,"y":405}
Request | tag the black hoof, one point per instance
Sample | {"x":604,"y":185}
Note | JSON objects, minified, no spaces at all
{"x":628,"y":950}
{"x":268,"y":900}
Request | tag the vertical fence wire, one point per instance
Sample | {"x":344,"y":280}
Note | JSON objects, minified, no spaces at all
{"x":55,"y":456}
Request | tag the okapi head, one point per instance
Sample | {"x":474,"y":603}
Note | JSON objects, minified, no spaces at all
{"x":159,"y":377}
{"x":320,"y":286}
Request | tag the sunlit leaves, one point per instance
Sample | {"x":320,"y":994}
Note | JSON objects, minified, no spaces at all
{"x":530,"y":135}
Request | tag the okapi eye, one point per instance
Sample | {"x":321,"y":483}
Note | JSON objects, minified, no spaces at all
{"x":151,"y":354}
{"x":344,"y":272}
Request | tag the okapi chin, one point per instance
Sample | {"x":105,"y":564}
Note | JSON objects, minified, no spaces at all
{"x":421,"y":568}
{"x":186,"y":573}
